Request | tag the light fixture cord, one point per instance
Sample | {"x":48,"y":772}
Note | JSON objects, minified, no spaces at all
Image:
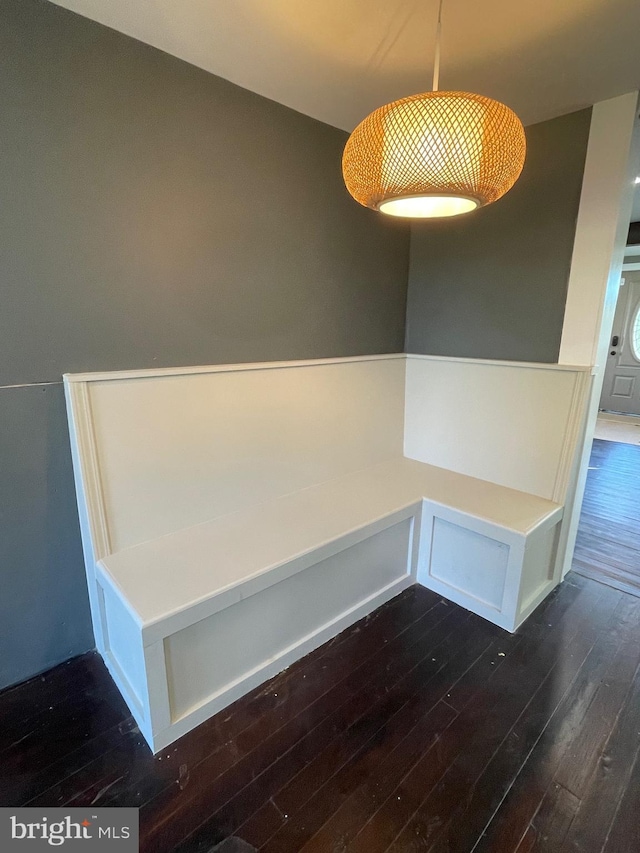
{"x":436,"y":60}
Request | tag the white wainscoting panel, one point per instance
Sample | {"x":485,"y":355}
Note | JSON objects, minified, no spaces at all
{"x":511,"y":423}
{"x":176,"y":449}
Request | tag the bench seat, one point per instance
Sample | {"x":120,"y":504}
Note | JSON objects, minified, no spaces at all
{"x":196,"y":618}
{"x":185,"y":576}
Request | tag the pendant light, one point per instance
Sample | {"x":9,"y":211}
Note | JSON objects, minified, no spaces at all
{"x":436,"y":154}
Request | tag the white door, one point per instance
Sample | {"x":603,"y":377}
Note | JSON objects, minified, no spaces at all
{"x":621,"y":389}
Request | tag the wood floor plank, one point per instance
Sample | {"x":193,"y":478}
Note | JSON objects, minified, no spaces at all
{"x":354,"y":813}
{"x":609,"y":781}
{"x":614,"y":532}
{"x":624,"y":835}
{"x":21,"y":703}
{"x":607,"y":563}
{"x":474,"y":732}
{"x":330,"y":788}
{"x":610,"y":511}
{"x":353,"y":809}
{"x":46,"y":723}
{"x":527,"y":842}
{"x":612,"y":676}
{"x":356,"y":810}
{"x":608,"y":539}
{"x":567,"y":697}
{"x":473,"y":788}
{"x":92,"y":782}
{"x":21,"y":787}
{"x":58,"y":732}
{"x":547,"y":758}
{"x":373,"y":734}
{"x":553,"y":820}
{"x":617,"y":556}
{"x":603,"y":575}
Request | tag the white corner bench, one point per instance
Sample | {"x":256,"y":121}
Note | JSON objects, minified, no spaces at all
{"x":234,"y":518}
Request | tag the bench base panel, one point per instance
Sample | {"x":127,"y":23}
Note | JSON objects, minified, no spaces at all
{"x":497,"y":573}
{"x":270,"y":668}
{"x":196,"y":672}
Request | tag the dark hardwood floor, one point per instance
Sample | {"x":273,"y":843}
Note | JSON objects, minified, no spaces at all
{"x":608,"y":543}
{"x":422,"y":728}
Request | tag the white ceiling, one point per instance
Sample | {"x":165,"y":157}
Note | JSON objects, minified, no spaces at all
{"x":337,"y":60}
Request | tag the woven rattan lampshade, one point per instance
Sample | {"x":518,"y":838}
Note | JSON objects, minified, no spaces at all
{"x":435,"y":154}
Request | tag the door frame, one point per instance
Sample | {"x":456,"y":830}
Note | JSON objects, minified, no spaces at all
{"x":611,"y":166}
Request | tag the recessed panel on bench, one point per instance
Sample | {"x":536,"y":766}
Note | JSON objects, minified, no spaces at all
{"x":206,"y":659}
{"x":468,"y":561}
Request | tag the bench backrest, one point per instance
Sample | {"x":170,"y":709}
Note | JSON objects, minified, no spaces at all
{"x":157,"y":451}
{"x":162,"y":450}
{"x":512,"y":423}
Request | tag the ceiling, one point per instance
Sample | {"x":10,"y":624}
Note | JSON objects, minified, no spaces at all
{"x":336,"y":60}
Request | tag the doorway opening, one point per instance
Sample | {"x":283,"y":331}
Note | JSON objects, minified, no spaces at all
{"x":608,"y":541}
{"x":619,"y":408}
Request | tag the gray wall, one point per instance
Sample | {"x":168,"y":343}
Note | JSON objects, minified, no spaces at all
{"x":493,"y":284}
{"x":152,"y":215}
